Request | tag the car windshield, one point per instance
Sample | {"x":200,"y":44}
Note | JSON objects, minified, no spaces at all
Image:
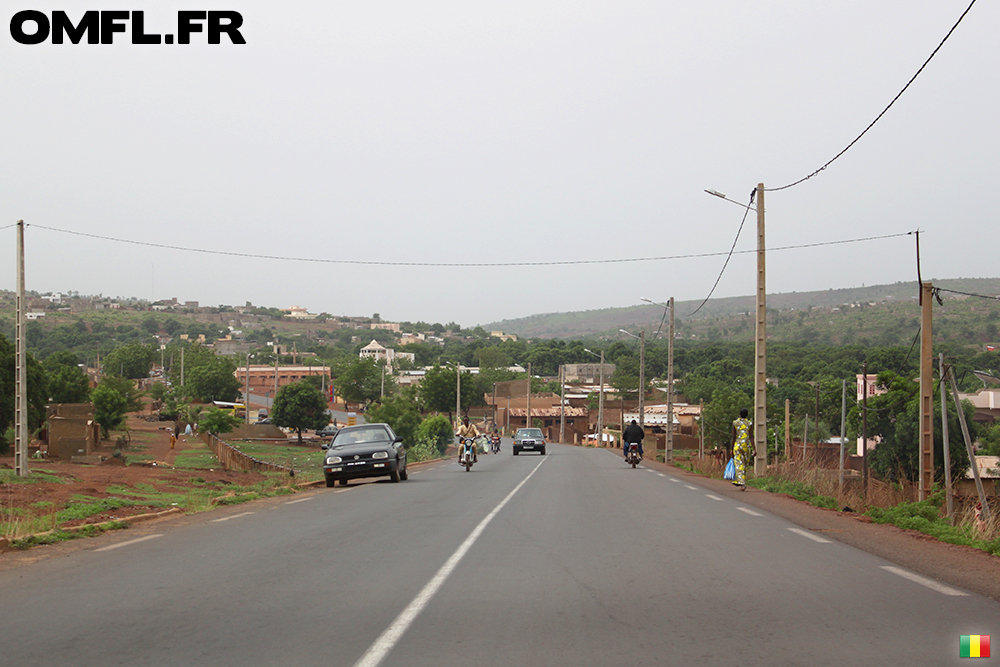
{"x":362,"y":435}
{"x":529,"y":433}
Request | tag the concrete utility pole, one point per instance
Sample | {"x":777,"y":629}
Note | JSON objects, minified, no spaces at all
{"x":926,"y":394}
{"x":527,"y":416}
{"x":701,"y":429}
{"x":944,"y":437}
{"x":968,"y":446}
{"x":760,"y":348}
{"x":21,"y":372}
{"x":788,"y":429}
{"x":669,"y":456}
{"x":458,"y":392}
{"x":843,"y":429}
{"x":562,"y":404}
{"x":246,"y":408}
{"x":864,"y":427}
{"x":642,"y":379}
{"x":600,"y":400}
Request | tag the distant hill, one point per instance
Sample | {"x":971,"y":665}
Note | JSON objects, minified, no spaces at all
{"x":729,"y":316}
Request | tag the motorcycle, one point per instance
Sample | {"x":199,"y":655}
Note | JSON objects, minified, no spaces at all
{"x":466,"y":459}
{"x":633,"y":454}
{"x":495,"y":444}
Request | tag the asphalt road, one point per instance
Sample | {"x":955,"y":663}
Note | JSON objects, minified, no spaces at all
{"x":569,"y":559}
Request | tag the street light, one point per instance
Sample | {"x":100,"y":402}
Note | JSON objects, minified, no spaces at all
{"x":760,"y":336}
{"x":669,"y":444}
{"x":642,"y":374}
{"x":600,"y":400}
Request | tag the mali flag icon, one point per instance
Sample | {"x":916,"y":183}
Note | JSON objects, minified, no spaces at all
{"x":974,"y":646}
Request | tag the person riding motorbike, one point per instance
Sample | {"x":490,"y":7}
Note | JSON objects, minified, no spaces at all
{"x":467,"y":430}
{"x":495,"y":442}
{"x":633,"y":433}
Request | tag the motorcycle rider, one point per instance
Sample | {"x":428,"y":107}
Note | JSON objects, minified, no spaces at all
{"x":633,"y":433}
{"x":467,"y":430}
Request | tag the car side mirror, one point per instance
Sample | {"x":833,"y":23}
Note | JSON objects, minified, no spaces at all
{"x":399,"y":438}
{"x":325,"y":445}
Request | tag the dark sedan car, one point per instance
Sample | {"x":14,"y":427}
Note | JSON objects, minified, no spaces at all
{"x":367,"y":450}
{"x":529,"y":440}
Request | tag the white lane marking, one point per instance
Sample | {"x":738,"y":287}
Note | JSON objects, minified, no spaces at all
{"x":674,"y":479}
{"x":661,"y":474}
{"x":688,"y":486}
{"x":749,"y":511}
{"x":235,"y":516}
{"x":129,"y":543}
{"x":709,"y":495}
{"x":806,"y":533}
{"x":924,"y":581}
{"x":386,"y":641}
{"x":300,"y":500}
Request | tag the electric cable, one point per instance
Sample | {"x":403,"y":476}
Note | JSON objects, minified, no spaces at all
{"x":459,"y":264}
{"x":738,"y":231}
{"x":877,"y":118}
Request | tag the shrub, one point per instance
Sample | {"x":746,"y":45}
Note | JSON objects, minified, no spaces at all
{"x":438,"y":431}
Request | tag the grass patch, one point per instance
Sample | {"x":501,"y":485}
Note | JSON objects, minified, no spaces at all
{"x":925,"y":516}
{"x":56,"y":536}
{"x":197,"y":459}
{"x":307,"y":462}
{"x":35,"y":476}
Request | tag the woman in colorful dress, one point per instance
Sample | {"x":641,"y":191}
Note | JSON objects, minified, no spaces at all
{"x":741,"y":448}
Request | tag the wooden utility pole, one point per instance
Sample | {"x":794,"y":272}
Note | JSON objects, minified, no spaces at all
{"x":926,"y":394}
{"x":669,"y":456}
{"x":21,"y":359}
{"x":760,"y":348}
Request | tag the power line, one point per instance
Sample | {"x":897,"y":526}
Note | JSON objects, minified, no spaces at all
{"x":458,"y":264}
{"x":981,"y":296}
{"x":877,"y":118}
{"x":742,"y":222}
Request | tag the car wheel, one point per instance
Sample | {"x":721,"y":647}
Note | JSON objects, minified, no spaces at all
{"x":330,"y":482}
{"x":516,"y":452}
{"x":543,"y":451}
{"x":394,"y":472}
{"x":403,"y":474}
{"x":343,"y":482}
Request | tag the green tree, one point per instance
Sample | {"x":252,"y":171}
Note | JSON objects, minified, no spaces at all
{"x":893,"y":419}
{"x":213,"y":379}
{"x":66,"y":380}
{"x":437,"y":391}
{"x":402,"y":416}
{"x":216,"y":421}
{"x":360,"y":381}
{"x":719,"y":415}
{"x":37,"y":388}
{"x":300,"y":406}
{"x":437,"y":429}
{"x":132,"y":360}
{"x":110,"y":406}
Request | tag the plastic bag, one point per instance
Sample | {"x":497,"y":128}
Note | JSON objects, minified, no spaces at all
{"x":730,"y":472}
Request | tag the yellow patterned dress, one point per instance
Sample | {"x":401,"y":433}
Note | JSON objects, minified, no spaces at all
{"x":741,"y":449}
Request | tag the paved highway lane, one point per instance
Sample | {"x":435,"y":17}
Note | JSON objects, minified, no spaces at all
{"x":587,"y":562}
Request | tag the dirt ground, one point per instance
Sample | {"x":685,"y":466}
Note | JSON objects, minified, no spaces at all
{"x":148,"y":459}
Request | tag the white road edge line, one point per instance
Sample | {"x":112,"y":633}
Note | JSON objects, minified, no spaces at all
{"x":709,"y":495}
{"x":661,"y":474}
{"x":924,"y":581}
{"x":235,"y":516}
{"x":749,"y":511}
{"x":806,"y":533}
{"x":674,"y":479}
{"x":688,"y":486}
{"x":129,"y":543}
{"x":386,"y":641}
{"x":300,"y":500}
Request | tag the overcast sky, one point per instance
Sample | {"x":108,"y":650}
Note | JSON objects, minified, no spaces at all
{"x":495,"y":132}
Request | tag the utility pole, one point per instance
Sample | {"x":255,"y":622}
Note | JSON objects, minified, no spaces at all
{"x":277,"y":357}
{"x":669,"y":456}
{"x":495,"y":404}
{"x":968,"y":446}
{"x":21,"y":359}
{"x":701,"y":429}
{"x":815,"y":457}
{"x":864,"y":427}
{"x":843,"y":429}
{"x":458,"y":392}
{"x":944,"y":437}
{"x":642,"y":379}
{"x":788,"y":430}
{"x":246,"y":408}
{"x":527,"y":417}
{"x":926,"y":394}
{"x":760,"y":348}
{"x":562,"y":403}
{"x":600,"y":405}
